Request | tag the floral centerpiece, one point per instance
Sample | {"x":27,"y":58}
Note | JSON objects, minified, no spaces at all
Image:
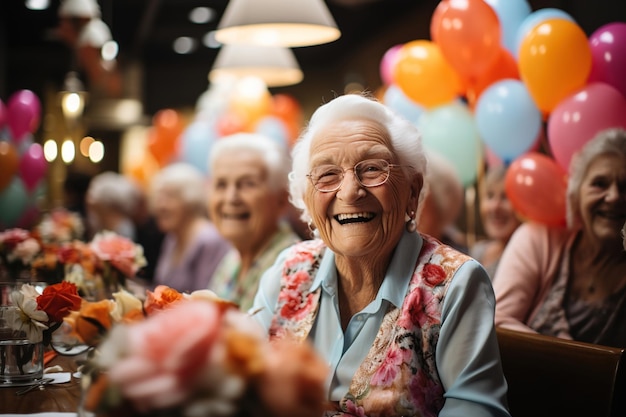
{"x":193,"y":355}
{"x":18,"y":249}
{"x":60,"y":226}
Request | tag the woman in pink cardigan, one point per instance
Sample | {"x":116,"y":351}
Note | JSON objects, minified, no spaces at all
{"x":571,"y":282}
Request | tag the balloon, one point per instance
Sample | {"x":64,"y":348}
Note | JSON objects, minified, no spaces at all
{"x":507,"y":119}
{"x":536,"y":186}
{"x":3,"y":114}
{"x":424,"y":75}
{"x":388,"y":63}
{"x":195,"y":144}
{"x":396,"y":100}
{"x":9,"y":163}
{"x":511,"y":14}
{"x":230,"y":123}
{"x":33,"y":166}
{"x":13,"y":202}
{"x":163,"y":138}
{"x":608,"y":51}
{"x":23,"y":113}
{"x":468,"y":33}
{"x":533,"y":20}
{"x":554,"y":62}
{"x":450,"y":130}
{"x":578,"y":118}
{"x":503,"y":67}
{"x":288,"y":109}
{"x":142,"y":170}
{"x":274,"y":128}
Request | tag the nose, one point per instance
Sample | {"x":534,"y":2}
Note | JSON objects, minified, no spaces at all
{"x":350,"y":187}
{"x":612,"y":193}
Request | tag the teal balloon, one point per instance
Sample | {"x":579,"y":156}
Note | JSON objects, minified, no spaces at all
{"x":395,"y":99}
{"x":196,"y":143}
{"x":450,"y":130}
{"x":13,"y":201}
{"x":508,"y":119}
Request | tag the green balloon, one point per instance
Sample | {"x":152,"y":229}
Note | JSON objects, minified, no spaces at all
{"x":13,"y":203}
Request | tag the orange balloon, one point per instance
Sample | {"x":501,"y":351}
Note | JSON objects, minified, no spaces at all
{"x":9,"y":163}
{"x":142,"y":170}
{"x":554,"y":61}
{"x":424,"y":75}
{"x":468,"y":33}
{"x":504,"y":67}
{"x":164,"y":136}
{"x":536,"y":185}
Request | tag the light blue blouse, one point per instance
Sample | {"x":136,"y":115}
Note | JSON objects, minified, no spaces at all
{"x":467,"y":346}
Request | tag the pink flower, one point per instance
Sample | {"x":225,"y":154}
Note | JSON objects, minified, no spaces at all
{"x":121,"y":252}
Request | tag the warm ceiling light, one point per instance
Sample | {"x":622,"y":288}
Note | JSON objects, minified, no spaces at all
{"x":287,"y":23}
{"x":276,"y":66}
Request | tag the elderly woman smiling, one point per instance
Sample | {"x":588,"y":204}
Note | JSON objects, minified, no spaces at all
{"x":405,"y":322}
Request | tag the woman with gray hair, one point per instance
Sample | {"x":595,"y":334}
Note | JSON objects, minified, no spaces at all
{"x":248,"y":200}
{"x":192,"y":247}
{"x":571,"y":282}
{"x":404,"y":322}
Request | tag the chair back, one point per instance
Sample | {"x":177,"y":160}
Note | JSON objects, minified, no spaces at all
{"x":549,"y":376}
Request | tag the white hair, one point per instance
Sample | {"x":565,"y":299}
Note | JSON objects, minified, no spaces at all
{"x":186,"y":180}
{"x":405,"y":139}
{"x":274,"y":156}
{"x":114,"y":191}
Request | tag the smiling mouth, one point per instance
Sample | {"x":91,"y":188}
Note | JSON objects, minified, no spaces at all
{"x":354,"y":218}
{"x":230,"y":216}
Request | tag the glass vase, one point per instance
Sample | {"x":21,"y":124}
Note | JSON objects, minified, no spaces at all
{"x":21,"y":362}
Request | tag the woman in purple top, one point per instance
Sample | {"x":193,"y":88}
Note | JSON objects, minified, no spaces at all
{"x":192,"y":247}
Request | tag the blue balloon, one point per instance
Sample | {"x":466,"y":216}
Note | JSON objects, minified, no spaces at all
{"x":511,"y":14}
{"x":196,"y":143}
{"x":450,"y":131}
{"x":396,"y":100}
{"x":507,"y":119}
{"x":534,"y":19}
{"x":274,"y":128}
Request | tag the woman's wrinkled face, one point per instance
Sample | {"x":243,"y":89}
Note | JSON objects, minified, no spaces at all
{"x":243,"y":206}
{"x":356,"y":221}
{"x":169,"y":209}
{"x":603,"y":198}
{"x":497,"y":213}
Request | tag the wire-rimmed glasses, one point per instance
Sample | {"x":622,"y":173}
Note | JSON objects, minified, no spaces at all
{"x":369,"y":173}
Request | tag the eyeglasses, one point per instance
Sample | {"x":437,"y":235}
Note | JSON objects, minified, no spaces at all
{"x":369,"y":173}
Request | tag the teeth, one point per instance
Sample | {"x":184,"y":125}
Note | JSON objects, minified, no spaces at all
{"x":364,"y":215}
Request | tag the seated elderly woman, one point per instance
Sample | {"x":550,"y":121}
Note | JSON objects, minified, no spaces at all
{"x":404,"y":321}
{"x":570,"y":282}
{"x":248,"y":198}
{"x":111,"y":203}
{"x":499,"y":219}
{"x":192,"y":247}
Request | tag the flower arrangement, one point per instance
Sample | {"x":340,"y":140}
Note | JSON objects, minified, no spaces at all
{"x":18,"y":249}
{"x":193,"y":355}
{"x":60,"y":226}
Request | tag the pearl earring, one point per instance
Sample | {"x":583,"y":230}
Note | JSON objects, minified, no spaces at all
{"x":411,"y":226}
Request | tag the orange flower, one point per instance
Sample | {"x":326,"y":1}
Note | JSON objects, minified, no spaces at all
{"x":162,"y":297}
{"x":93,"y":321}
{"x":58,"y":300}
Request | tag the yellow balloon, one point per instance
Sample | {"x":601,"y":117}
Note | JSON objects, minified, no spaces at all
{"x":554,"y":61}
{"x":424,"y":75}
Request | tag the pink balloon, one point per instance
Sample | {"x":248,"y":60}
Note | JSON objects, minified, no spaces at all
{"x":608,"y":54}
{"x":579,"y":117}
{"x":23,"y":112}
{"x":33,"y":166}
{"x":3,"y":114}
{"x":388,"y":63}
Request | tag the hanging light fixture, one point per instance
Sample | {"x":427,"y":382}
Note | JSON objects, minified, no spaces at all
{"x":287,"y":23}
{"x":276,"y":66}
{"x":73,"y":97}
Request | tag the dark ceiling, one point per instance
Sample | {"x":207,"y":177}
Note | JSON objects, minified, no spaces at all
{"x":31,"y":57}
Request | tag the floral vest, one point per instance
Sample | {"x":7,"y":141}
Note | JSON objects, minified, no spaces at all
{"x":399,"y":374}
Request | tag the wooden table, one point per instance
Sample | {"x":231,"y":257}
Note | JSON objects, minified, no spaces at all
{"x":54,"y":397}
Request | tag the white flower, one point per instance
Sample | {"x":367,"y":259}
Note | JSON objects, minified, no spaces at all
{"x":26,"y":318}
{"x":25,"y":251}
{"x":125,"y":302}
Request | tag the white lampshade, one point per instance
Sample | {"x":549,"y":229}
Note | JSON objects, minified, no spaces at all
{"x":276,"y":66}
{"x":288,"y":23}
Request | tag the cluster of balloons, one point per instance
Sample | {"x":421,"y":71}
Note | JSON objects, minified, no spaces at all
{"x":497,"y":79}
{"x":233,"y":106}
{"x":22,"y":164}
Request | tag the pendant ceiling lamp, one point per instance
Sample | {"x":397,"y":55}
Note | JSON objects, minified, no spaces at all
{"x":276,"y":66}
{"x":288,"y":23}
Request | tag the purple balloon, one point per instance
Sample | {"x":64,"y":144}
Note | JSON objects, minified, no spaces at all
{"x":33,"y":166}
{"x":23,"y":112}
{"x":608,"y":55}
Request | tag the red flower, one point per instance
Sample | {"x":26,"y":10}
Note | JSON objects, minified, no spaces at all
{"x":434,"y":274}
{"x":59,"y":300}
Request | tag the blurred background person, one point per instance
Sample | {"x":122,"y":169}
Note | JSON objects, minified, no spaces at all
{"x":443,"y":203}
{"x":192,"y":247}
{"x":498,"y":217}
{"x":112,"y":201}
{"x":248,"y":200}
{"x":570,"y":282}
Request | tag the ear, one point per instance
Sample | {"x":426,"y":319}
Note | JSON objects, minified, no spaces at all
{"x":416,"y":187}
